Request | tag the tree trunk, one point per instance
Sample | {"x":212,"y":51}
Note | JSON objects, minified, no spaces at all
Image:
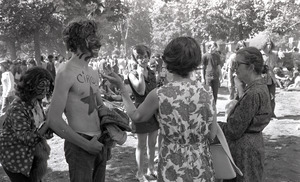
{"x":37,"y":49}
{"x":12,"y":49}
{"x":241,"y":36}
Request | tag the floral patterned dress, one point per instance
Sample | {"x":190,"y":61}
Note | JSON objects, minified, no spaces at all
{"x":185,"y":116}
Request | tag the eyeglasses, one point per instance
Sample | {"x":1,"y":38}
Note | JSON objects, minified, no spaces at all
{"x":239,"y":63}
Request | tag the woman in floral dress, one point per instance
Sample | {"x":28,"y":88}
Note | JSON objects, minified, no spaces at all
{"x":186,"y":113}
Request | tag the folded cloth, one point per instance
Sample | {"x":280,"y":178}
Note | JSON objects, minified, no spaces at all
{"x":113,"y":123}
{"x":116,"y":134}
{"x":113,"y":116}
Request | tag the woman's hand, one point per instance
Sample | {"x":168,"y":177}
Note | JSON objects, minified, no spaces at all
{"x":140,"y":70}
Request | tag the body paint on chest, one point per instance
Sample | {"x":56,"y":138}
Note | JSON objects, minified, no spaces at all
{"x":85,"y":78}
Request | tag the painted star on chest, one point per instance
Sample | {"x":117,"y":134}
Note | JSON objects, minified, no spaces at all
{"x":90,"y":100}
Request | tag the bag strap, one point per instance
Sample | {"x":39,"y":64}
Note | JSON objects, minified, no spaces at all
{"x":224,"y":144}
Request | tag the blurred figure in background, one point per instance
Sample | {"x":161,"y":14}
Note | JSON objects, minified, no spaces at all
{"x":50,"y":66}
{"x":31,"y":63}
{"x":235,"y":86}
{"x":212,"y":73}
{"x":8,"y":86}
{"x":270,"y":59}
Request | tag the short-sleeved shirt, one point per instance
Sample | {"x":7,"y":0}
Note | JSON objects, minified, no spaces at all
{"x":211,"y":61}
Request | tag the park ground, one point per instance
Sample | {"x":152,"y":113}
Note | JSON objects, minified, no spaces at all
{"x":282,"y":145}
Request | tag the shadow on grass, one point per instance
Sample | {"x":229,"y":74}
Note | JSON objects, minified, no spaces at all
{"x":51,"y":176}
{"x":282,"y":155}
{"x":122,"y":166}
{"x":294,"y":117}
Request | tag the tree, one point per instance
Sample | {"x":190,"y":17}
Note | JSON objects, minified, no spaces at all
{"x":25,"y":20}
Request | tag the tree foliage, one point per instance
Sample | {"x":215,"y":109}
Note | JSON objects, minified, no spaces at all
{"x":124,"y":23}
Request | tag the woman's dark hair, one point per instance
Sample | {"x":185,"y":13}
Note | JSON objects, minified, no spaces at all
{"x":253,"y":56}
{"x":182,"y":55}
{"x":33,"y":82}
{"x":141,"y":49}
{"x":76,"y":33}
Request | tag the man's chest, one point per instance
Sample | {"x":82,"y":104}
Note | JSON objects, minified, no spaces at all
{"x":86,"y":83}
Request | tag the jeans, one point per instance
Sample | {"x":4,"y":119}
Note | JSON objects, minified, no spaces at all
{"x":84,"y":166}
{"x":214,"y":84}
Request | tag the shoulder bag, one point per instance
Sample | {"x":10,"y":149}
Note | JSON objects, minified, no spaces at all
{"x":223,"y":163}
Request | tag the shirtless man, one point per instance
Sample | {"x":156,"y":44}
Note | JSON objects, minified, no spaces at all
{"x":76,"y":94}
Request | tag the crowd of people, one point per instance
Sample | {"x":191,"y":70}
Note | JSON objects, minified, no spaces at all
{"x":165,"y":97}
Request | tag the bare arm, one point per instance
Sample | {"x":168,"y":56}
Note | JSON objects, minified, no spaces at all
{"x":57,"y":124}
{"x":138,"y":84}
{"x":145,"y":111}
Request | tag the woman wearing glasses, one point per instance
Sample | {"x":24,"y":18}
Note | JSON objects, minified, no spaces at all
{"x":249,"y":117}
{"x":142,"y":80}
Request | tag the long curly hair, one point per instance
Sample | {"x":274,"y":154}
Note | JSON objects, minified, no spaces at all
{"x":35,"y":81}
{"x":81,"y":33}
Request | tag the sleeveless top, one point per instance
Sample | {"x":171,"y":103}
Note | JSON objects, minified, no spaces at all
{"x":152,"y":124}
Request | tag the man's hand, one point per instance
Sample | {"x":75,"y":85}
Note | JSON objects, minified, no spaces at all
{"x":95,"y":147}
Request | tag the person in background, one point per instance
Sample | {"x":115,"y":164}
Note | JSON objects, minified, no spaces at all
{"x":76,"y":94}
{"x":8,"y":86}
{"x":23,"y":148}
{"x":234,"y":84}
{"x":270,"y":59}
{"x":251,"y":114}
{"x":186,"y":111}
{"x":212,"y":73}
{"x":115,"y":63}
{"x":59,"y":59}
{"x":16,"y":70}
{"x":296,"y":59}
{"x":50,"y":66}
{"x":296,"y":83}
{"x":31,"y":63}
{"x":23,"y":66}
{"x":142,"y":80}
{"x":43,"y":63}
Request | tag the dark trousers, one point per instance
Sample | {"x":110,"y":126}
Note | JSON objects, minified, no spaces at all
{"x":272,"y":90}
{"x":214,"y":84}
{"x":84,"y":166}
{"x":16,"y":177}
